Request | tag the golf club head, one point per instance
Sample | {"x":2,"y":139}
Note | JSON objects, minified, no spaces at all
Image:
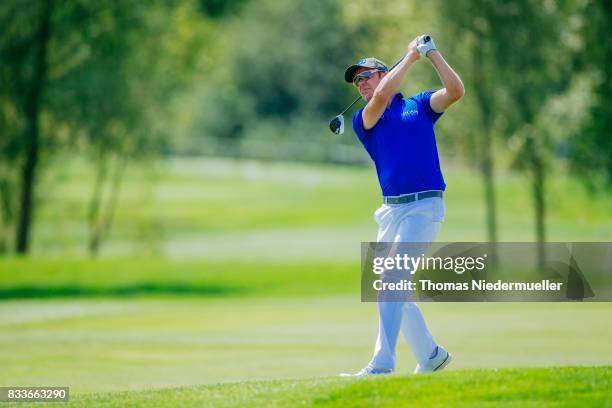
{"x":336,"y":125}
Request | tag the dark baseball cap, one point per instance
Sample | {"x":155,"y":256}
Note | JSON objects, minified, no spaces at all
{"x":370,"y":62}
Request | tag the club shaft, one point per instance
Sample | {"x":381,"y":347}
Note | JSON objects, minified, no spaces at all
{"x":351,"y":105}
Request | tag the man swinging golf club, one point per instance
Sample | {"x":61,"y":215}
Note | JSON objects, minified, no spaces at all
{"x":398,"y":134}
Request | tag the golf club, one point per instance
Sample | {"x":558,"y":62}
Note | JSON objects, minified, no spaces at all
{"x":336,"y":125}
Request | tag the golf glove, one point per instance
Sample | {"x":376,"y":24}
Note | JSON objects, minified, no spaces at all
{"x":425,"y":44}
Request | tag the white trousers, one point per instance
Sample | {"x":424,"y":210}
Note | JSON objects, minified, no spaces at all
{"x":418,"y":221}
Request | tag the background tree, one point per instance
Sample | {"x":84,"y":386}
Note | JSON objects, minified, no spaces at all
{"x":276,"y":67}
{"x":471,"y":29}
{"x":534,"y":64}
{"x":591,"y":146}
{"x":24,"y":49}
{"x":92,"y":74}
{"x":120,"y":89}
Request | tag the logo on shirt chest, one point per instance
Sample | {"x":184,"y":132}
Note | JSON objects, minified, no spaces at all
{"x":410,"y":114}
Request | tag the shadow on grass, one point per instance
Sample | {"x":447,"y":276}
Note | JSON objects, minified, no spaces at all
{"x":28,"y":292}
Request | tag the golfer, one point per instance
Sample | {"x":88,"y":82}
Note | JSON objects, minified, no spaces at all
{"x":398,"y":134}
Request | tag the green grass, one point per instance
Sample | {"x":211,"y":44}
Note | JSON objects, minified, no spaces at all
{"x":220,"y":208}
{"x":36,"y":278}
{"x":238,"y":281}
{"x":539,"y":387}
{"x":109,"y":345}
{"x":535,"y":387}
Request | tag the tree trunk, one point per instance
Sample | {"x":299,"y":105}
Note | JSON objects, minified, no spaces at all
{"x":106,"y":219}
{"x":32,"y":133}
{"x":95,"y":203}
{"x":537,"y":167}
{"x":487,"y":167}
{"x":489,"y":184}
{"x":6,"y":214}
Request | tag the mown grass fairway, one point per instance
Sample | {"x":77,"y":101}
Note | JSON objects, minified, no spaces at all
{"x":526,"y":387}
{"x":256,"y":302}
{"x":112,"y":345}
{"x":552,"y":387}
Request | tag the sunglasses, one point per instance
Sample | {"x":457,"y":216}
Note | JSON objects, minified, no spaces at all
{"x":364,"y":76}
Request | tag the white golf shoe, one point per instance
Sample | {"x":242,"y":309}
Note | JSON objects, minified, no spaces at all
{"x":367,"y":372}
{"x":436,"y":363}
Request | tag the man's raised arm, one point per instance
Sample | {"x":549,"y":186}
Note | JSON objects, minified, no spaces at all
{"x":388,"y":86}
{"x":453,"y":87}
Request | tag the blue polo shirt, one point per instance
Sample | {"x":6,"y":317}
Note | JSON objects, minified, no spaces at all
{"x":402,"y":145}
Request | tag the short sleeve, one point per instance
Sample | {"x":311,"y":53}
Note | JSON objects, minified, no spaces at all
{"x":424,"y":105}
{"x":362,"y":133}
